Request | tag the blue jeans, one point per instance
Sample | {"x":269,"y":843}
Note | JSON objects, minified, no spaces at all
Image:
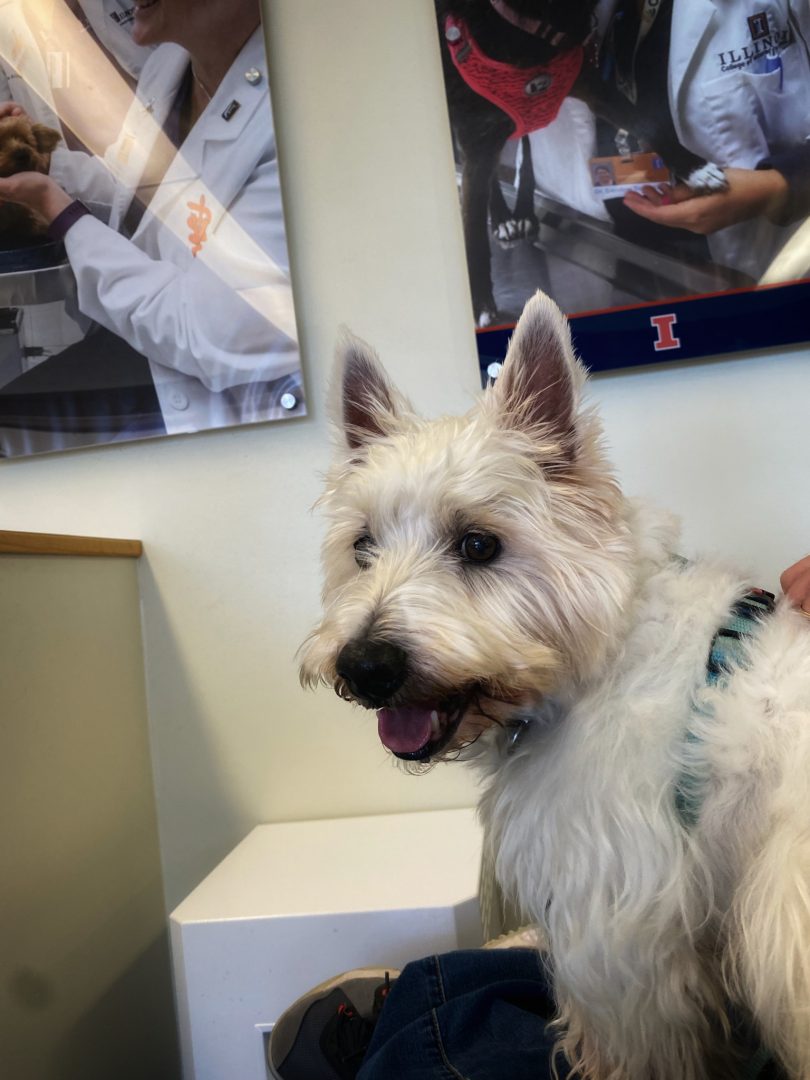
{"x":468,"y":1015}
{"x":483,"y":1015}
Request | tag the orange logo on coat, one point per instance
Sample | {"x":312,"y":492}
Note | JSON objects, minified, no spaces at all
{"x":198,"y":221}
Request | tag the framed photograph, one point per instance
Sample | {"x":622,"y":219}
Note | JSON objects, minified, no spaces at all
{"x":645,"y":162}
{"x":144,"y":270}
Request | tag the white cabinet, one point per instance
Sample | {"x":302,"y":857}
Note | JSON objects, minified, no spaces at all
{"x":296,"y":903}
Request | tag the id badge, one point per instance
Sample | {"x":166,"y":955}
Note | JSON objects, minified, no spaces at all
{"x":613,"y":177}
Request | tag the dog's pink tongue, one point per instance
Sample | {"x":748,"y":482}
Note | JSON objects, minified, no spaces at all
{"x":404,"y":730}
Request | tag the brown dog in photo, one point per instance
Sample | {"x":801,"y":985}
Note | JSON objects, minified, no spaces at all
{"x":24,"y":147}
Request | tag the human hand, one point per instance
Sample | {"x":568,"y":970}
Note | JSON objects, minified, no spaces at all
{"x":37,"y":192}
{"x":750,"y":193}
{"x":795,"y":584}
{"x":11,"y":108}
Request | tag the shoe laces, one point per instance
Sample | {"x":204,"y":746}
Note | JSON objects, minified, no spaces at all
{"x":380,"y":994}
{"x":347,"y":1036}
{"x":351,"y":1034}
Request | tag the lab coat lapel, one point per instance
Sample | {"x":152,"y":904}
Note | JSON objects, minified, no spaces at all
{"x":217,"y":147}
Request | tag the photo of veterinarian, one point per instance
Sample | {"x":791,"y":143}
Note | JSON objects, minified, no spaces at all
{"x":164,"y":246}
{"x":617,"y":152}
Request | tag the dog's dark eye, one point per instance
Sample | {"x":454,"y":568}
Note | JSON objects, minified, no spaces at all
{"x":479,"y":547}
{"x":362,"y":550}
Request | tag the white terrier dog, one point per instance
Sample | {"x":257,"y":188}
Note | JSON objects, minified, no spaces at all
{"x":491,"y":592}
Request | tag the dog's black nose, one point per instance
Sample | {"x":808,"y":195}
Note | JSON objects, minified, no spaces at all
{"x":373,"y":670}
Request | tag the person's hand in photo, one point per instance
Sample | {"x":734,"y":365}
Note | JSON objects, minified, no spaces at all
{"x":750,"y":193}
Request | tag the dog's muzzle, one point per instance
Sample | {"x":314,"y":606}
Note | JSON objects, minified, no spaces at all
{"x":374,"y":672}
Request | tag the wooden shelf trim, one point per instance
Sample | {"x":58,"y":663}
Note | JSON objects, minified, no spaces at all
{"x":26,"y":543}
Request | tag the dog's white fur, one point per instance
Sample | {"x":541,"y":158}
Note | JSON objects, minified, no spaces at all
{"x":587,"y":625}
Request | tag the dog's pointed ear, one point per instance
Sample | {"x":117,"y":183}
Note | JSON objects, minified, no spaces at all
{"x":365,"y":404}
{"x":539,"y":386}
{"x":46,"y":138}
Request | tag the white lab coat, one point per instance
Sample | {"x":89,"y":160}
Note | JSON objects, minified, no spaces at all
{"x":23,"y":67}
{"x":217,"y":326}
{"x":24,"y":74}
{"x":561,"y":156}
{"x":562,"y":151}
{"x":729,"y":108}
{"x":111,"y":21}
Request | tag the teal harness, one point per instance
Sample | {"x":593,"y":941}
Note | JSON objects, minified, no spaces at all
{"x":727,"y":652}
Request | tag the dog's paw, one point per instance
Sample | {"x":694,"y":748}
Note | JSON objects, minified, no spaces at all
{"x":706,"y":179}
{"x":529,"y":227}
{"x":506,"y":231}
{"x":487,"y":317}
{"x":515,"y":229}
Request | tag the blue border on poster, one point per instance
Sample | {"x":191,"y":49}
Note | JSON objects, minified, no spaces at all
{"x":757,"y":319}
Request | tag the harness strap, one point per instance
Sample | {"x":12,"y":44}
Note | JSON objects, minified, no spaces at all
{"x":728,"y":646}
{"x":726,"y":653}
{"x":537,"y":27}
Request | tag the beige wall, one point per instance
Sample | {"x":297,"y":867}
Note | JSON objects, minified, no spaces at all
{"x":230,"y":577}
{"x":85,"y":981}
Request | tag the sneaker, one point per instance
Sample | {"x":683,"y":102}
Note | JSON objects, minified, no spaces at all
{"x":324,"y":1035}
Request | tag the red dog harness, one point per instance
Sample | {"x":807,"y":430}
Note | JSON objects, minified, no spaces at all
{"x":530,"y":97}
